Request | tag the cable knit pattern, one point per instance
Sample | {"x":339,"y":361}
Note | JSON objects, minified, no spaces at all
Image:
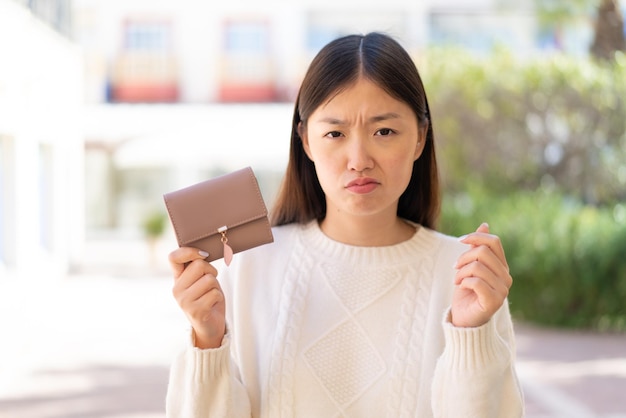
{"x":408,"y":352}
{"x":324,"y":329}
{"x":285,"y":342}
{"x":402,"y":349}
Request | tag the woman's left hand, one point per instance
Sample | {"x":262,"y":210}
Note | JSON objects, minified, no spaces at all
{"x":482,"y":279}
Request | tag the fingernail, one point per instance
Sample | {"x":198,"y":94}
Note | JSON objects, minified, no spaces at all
{"x":203,"y":253}
{"x":462,"y":237}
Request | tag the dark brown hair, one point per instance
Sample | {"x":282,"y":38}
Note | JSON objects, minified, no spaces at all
{"x":382,"y":60}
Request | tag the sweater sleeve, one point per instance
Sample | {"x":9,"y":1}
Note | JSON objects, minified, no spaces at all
{"x":204,"y":383}
{"x":475,"y":376}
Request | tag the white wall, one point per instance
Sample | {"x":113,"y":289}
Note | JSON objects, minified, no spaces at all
{"x":40,"y":113}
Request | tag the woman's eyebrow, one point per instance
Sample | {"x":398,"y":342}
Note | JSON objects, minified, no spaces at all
{"x":373,"y":119}
{"x":384,"y":116}
{"x":331,"y":121}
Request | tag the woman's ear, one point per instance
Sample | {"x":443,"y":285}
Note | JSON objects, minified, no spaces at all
{"x":305,"y":139}
{"x":421,"y":141}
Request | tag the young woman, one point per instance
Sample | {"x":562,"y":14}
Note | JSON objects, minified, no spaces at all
{"x":359,"y":308}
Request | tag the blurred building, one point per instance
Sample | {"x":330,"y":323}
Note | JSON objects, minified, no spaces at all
{"x":191,"y":51}
{"x":174,"y":87}
{"x":41,"y":145}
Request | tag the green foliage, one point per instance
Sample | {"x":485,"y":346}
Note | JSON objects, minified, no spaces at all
{"x":567,"y":259}
{"x":154,"y":224}
{"x":507,"y":122}
{"x":551,"y":13}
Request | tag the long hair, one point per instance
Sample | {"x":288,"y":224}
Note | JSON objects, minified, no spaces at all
{"x":382,"y":60}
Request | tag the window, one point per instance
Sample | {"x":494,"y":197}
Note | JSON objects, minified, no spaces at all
{"x":145,"y":70}
{"x":147,"y":36}
{"x":246,"y":64}
{"x":246,"y":37}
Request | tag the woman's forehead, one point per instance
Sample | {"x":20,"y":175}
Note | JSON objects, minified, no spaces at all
{"x":364,"y":97}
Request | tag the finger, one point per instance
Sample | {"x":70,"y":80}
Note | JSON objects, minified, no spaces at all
{"x":489,"y":299}
{"x":483,"y":254}
{"x":209,"y":300}
{"x":498,"y":283}
{"x":206,"y":284}
{"x":477,"y":239}
{"x":484,"y":228}
{"x":202,"y":310}
{"x":193,"y":272}
{"x":180,"y":257}
{"x":482,"y":238}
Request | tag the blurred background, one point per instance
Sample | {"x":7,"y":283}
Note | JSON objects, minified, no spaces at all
{"x":105,"y":106}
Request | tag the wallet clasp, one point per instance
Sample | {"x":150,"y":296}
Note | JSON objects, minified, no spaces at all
{"x":228,"y":252}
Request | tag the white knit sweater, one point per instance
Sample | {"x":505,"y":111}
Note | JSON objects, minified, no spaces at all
{"x":322,"y":329}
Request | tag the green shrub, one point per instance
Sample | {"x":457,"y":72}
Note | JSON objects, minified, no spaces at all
{"x":154,"y":224}
{"x":523,"y":122}
{"x":568,"y":260}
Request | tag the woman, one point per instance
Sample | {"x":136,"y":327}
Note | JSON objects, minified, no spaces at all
{"x":359,"y":308}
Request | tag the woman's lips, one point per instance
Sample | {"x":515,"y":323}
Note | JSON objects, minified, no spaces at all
{"x":362,"y":185}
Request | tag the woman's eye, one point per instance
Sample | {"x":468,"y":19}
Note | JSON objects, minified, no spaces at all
{"x":333,"y":134}
{"x":384,"y":132}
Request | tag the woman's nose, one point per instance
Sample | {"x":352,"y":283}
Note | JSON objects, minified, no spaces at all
{"x":359,"y":155}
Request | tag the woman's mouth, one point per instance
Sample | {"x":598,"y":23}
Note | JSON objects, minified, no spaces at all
{"x":362,"y":185}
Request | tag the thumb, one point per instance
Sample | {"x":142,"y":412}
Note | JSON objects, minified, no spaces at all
{"x":484,"y":227}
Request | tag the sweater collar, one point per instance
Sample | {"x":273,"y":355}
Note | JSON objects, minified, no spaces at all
{"x":422,"y":243}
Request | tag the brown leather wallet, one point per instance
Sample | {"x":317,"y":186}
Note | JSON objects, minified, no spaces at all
{"x":222,"y":216}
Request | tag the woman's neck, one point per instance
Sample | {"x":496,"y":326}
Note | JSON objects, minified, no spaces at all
{"x":367,"y":231}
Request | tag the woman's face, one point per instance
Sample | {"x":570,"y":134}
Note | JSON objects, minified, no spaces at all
{"x":363,"y":143}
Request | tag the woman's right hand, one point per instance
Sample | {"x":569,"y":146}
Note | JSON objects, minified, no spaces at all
{"x":199,"y":295}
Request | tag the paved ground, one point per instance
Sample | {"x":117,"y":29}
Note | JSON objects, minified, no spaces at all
{"x":570,"y":374}
{"x":88,"y":347}
{"x":99,"y":346}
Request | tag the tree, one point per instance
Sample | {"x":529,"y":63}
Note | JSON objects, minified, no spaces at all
{"x":608,"y":27}
{"x":609,"y":31}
